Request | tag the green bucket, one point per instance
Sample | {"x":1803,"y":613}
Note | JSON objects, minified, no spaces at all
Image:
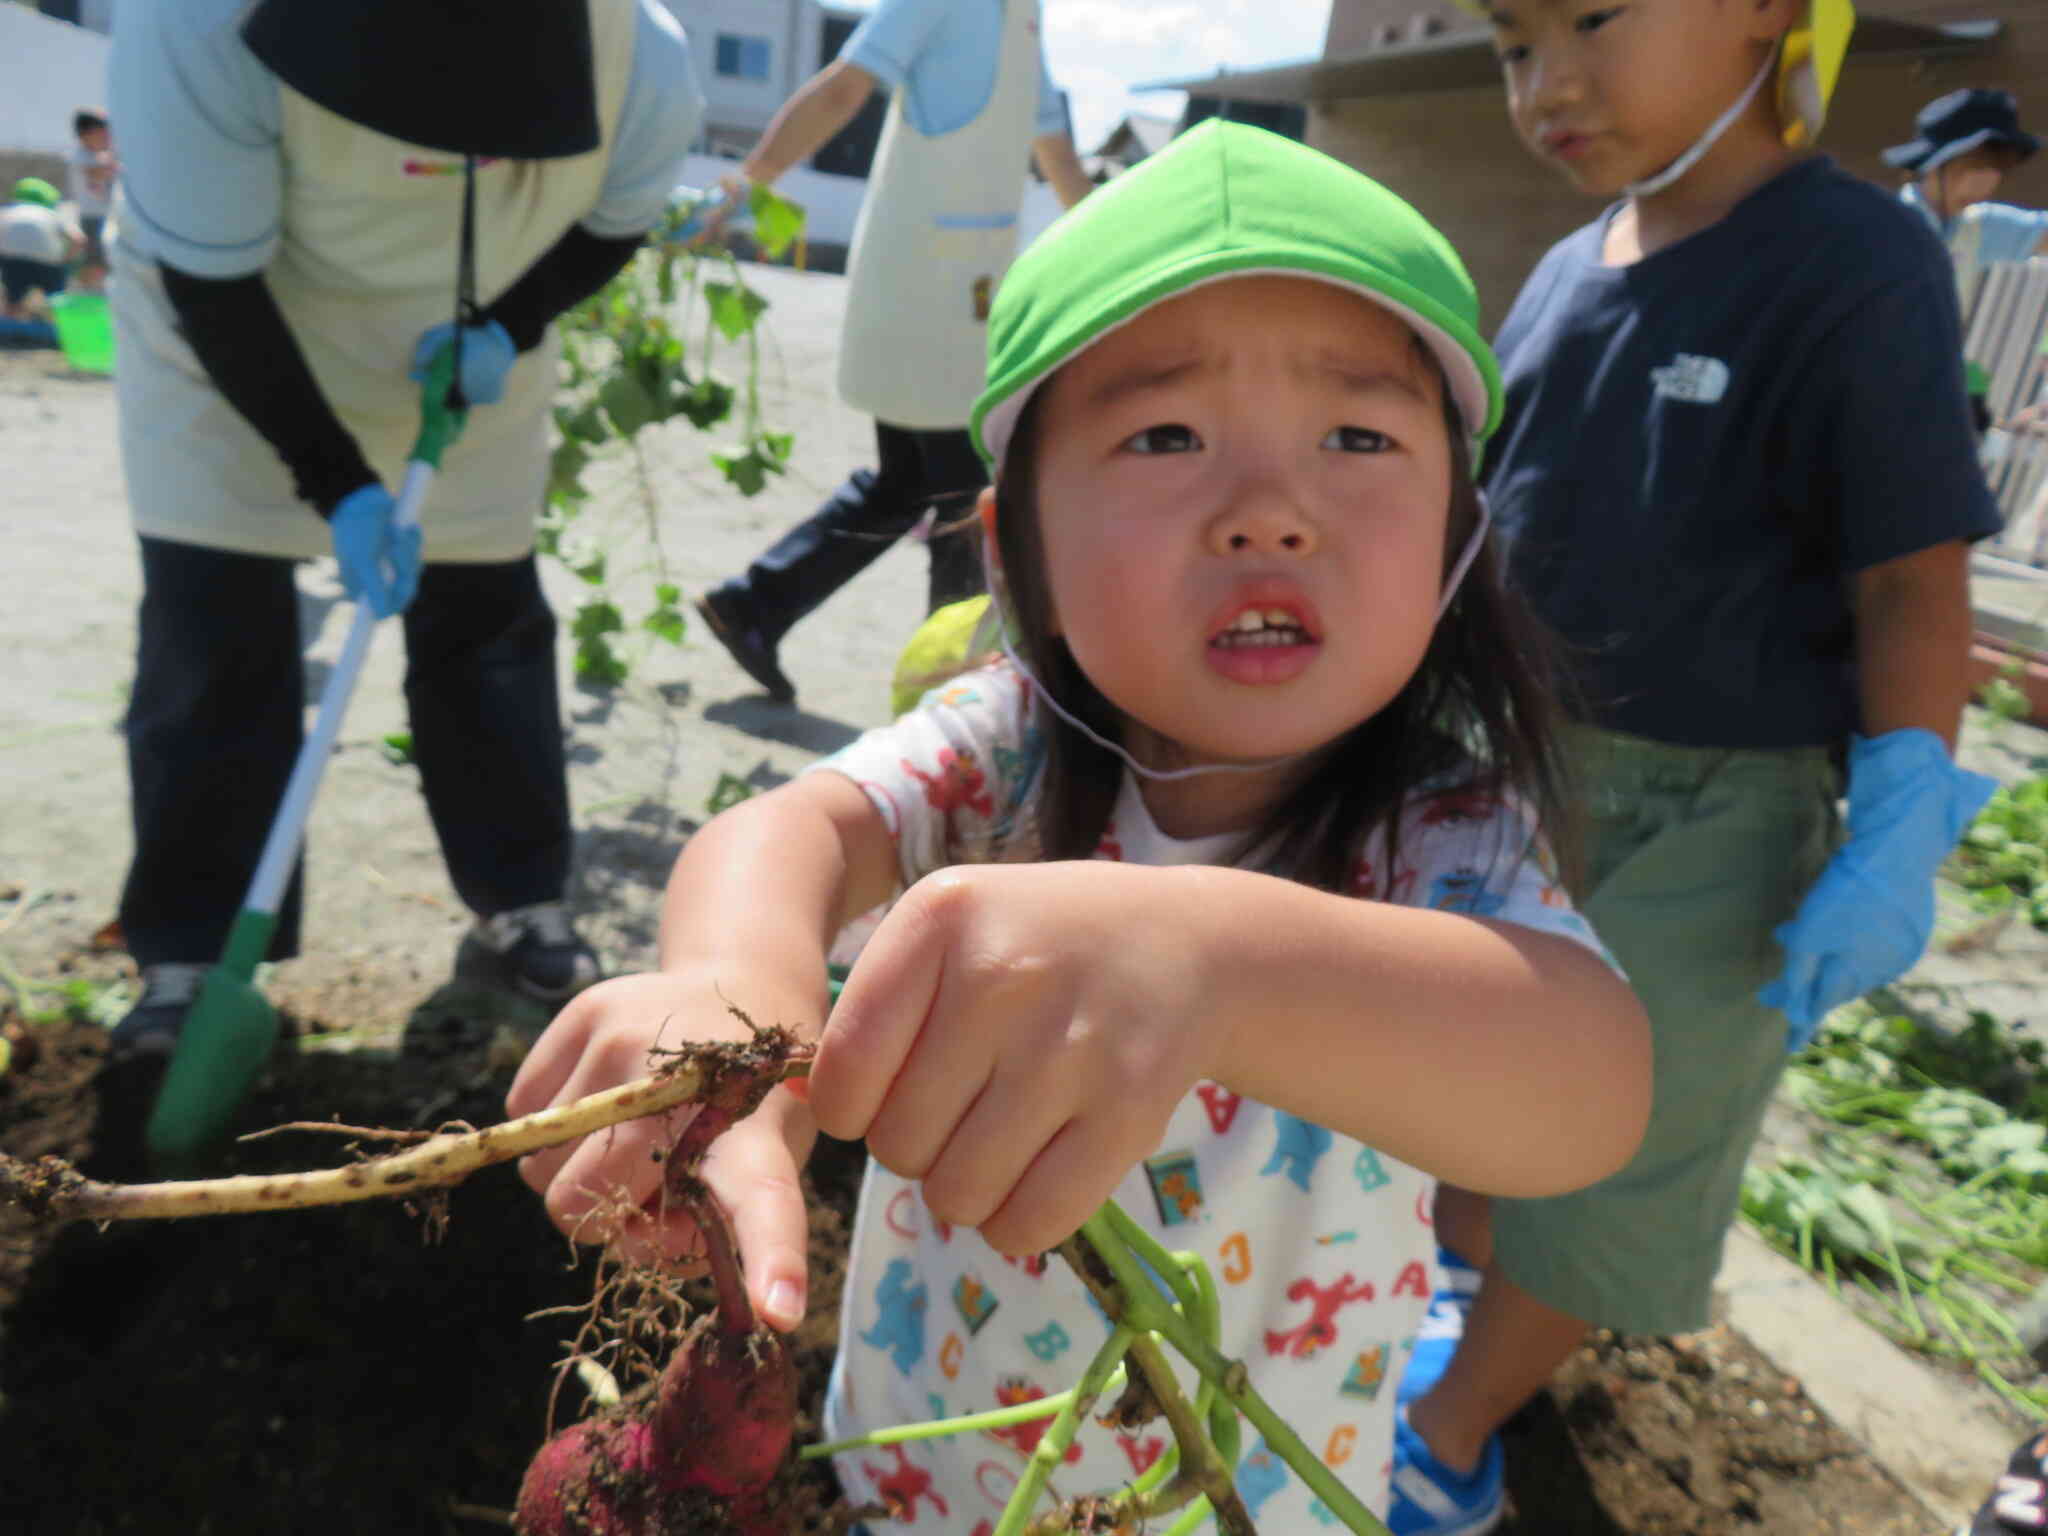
{"x":85,"y":330}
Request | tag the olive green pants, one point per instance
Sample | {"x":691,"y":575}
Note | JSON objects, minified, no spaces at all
{"x":1693,"y":856}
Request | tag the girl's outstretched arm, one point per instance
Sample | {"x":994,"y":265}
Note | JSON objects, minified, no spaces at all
{"x":750,"y":912}
{"x":1017,"y":1036}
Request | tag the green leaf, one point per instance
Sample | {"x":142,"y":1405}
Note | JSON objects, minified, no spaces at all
{"x":596,"y":619}
{"x":586,"y":425}
{"x":727,"y":793}
{"x":665,"y":622}
{"x":777,"y":221}
{"x":706,"y":403}
{"x":565,"y":469}
{"x":597,"y":662}
{"x":734,"y":308}
{"x":397,"y":747}
{"x":627,"y":402}
{"x":746,"y":470}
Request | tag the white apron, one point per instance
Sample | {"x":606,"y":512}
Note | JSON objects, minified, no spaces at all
{"x":936,"y":231}
{"x":371,"y":237}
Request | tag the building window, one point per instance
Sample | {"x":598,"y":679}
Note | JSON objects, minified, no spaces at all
{"x":741,"y":57}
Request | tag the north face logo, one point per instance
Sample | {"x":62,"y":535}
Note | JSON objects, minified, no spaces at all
{"x":1695,"y":380}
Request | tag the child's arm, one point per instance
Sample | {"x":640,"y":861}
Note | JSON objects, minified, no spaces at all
{"x":1017,"y":1036}
{"x":1871,"y":912}
{"x":750,"y":912}
{"x":1913,"y":641}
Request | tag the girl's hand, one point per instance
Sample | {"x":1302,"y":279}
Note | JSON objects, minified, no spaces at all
{"x":601,"y":1039}
{"x":1016,"y":1037}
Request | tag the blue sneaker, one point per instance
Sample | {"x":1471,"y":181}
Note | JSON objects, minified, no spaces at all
{"x":1442,"y":1326}
{"x":1429,"y":1499}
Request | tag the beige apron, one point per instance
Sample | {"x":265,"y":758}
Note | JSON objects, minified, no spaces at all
{"x":367,"y":262}
{"x":936,"y":231}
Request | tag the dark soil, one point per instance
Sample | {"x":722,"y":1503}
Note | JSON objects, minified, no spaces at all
{"x":385,"y":1369}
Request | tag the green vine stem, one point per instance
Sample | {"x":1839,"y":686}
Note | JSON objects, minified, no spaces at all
{"x":1052,"y":1446}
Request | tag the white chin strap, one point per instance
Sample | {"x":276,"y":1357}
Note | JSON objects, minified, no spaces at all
{"x":1167,"y":775}
{"x":1650,"y":185}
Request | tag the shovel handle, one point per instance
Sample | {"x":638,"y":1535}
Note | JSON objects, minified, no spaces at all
{"x":287,"y":831}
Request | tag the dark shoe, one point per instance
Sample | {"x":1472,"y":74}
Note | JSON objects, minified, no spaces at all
{"x":150,"y":1029}
{"x":746,"y":645}
{"x":539,"y":951}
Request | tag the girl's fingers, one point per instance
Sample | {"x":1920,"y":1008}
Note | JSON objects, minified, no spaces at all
{"x":755,"y":1179}
{"x":990,"y":1148}
{"x":1062,"y":1187}
{"x":615,"y":1169}
{"x":880,"y":1014}
{"x":550,"y":1061}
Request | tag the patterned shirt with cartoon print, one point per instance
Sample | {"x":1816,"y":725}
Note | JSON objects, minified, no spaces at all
{"x":1321,"y":1246}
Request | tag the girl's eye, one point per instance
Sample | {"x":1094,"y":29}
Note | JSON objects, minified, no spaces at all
{"x":1171,"y":438}
{"x":1357,"y":440}
{"x":1593,"y":21}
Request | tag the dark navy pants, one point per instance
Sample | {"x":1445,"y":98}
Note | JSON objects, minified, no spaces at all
{"x":216,"y":719}
{"x":870,"y":512}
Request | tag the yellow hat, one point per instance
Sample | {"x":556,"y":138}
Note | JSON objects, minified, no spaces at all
{"x":1809,"y":63}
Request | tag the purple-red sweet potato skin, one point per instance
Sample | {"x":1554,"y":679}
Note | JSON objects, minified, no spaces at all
{"x":593,"y":1479}
{"x":727,"y":1410}
{"x":718,"y":1431}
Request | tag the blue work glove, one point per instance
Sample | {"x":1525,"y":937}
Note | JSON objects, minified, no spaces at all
{"x":487,"y":357}
{"x":380,"y":562}
{"x":1871,"y":912}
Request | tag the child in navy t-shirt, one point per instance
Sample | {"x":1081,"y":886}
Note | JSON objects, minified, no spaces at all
{"x":1738,"y":474}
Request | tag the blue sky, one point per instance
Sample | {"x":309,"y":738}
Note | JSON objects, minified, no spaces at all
{"x":1097,"y":49}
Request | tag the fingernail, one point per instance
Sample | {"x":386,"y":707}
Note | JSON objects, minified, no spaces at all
{"x":784,"y":1306}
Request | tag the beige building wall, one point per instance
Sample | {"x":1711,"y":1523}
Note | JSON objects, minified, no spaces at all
{"x":1454,"y":155}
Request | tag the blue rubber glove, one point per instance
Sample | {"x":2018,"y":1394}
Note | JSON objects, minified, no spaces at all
{"x":487,"y":357}
{"x":380,"y":562}
{"x":1871,"y":912}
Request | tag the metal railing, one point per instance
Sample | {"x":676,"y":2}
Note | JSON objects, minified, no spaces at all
{"x":2005,"y":332}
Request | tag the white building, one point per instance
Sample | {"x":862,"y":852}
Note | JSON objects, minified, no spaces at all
{"x":752,"y":54}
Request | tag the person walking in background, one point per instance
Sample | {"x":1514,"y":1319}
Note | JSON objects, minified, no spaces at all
{"x":1737,"y":475}
{"x":325,"y":192}
{"x":36,"y":246}
{"x":1965,"y":144}
{"x":1968,"y":142}
{"x":936,"y":230}
{"x":93,"y":172}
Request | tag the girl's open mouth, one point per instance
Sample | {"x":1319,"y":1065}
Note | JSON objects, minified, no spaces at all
{"x":1260,"y":628}
{"x":1264,"y":643}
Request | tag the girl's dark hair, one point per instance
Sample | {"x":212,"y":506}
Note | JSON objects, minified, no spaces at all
{"x":1480,"y":712}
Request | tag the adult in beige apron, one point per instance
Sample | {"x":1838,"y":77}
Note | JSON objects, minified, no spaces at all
{"x":936,"y":231}
{"x":421,"y":154}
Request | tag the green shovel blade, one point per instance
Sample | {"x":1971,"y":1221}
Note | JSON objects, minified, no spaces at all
{"x":227,"y":1038}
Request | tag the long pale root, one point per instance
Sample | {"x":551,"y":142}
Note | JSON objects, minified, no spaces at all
{"x":51,"y":1189}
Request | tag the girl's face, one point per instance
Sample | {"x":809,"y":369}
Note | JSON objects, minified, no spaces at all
{"x":1242,"y":498}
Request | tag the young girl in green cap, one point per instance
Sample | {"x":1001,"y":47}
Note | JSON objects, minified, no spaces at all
{"x":1225,"y":891}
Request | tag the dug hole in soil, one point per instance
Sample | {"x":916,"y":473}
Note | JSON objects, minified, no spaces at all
{"x":388,"y":1368}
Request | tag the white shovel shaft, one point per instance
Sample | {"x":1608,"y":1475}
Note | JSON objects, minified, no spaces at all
{"x":287,"y":831}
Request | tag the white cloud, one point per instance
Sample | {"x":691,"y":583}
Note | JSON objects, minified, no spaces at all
{"x":1098,"y":49}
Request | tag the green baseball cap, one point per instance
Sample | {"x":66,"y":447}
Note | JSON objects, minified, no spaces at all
{"x":1226,"y":200}
{"x":33,"y":189}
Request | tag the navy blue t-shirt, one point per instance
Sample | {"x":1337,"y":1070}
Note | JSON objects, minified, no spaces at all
{"x":1700,"y":449}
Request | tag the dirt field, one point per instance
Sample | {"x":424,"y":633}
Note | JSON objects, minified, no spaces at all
{"x":349,"y":1372}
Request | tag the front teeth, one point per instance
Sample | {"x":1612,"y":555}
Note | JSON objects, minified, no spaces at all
{"x":1266,"y":627}
{"x":1272,"y":618}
